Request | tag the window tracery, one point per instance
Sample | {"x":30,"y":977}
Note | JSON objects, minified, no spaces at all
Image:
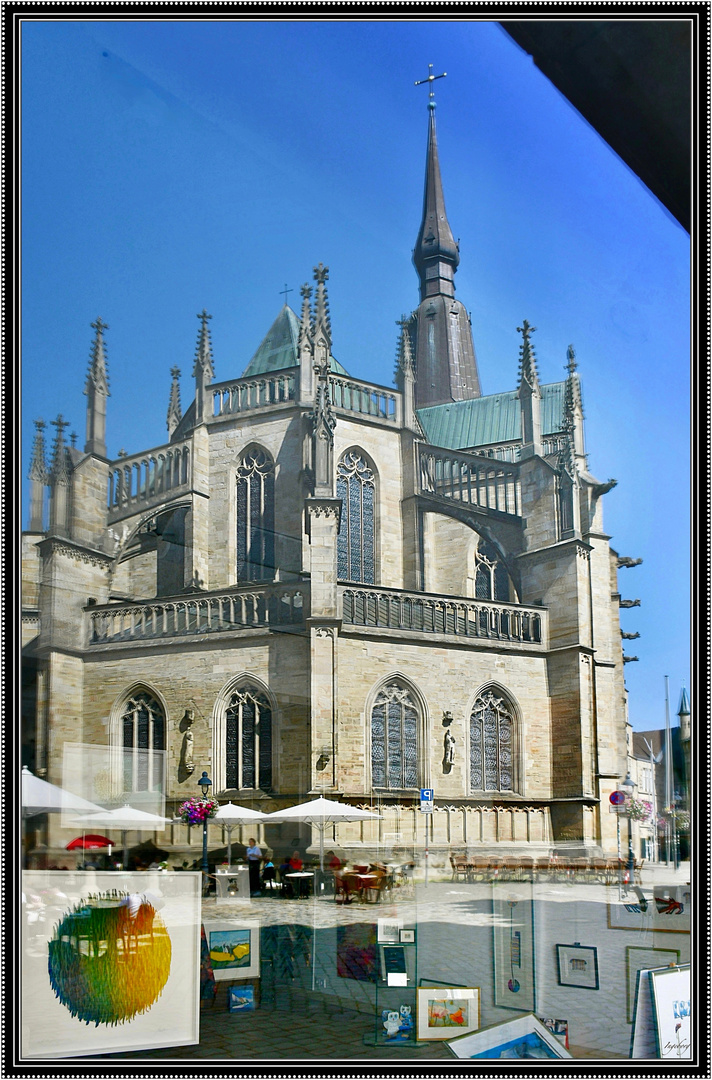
{"x":491,"y":577}
{"x":248,"y":740}
{"x":491,"y":744}
{"x":143,"y":743}
{"x":356,"y":487}
{"x":255,"y":516}
{"x":394,"y":738}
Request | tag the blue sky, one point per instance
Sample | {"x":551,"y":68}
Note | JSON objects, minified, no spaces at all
{"x":169,"y":166}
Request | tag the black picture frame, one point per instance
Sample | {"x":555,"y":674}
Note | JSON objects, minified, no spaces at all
{"x":577,"y":965}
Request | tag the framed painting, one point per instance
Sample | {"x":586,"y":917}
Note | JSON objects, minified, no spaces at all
{"x":234,"y":948}
{"x":523,"y":1038}
{"x":637,"y":958}
{"x":112,"y":965}
{"x":389,"y":930}
{"x":671,"y":1012}
{"x":356,"y":952}
{"x":577,"y":966}
{"x":407,"y":936}
{"x":242,"y":998}
{"x":442,"y":1013}
{"x":663,"y":910}
{"x":513,"y":953}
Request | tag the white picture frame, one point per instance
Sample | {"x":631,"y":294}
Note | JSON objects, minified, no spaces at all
{"x":88,"y":920}
{"x":389,"y":931}
{"x":239,"y":940}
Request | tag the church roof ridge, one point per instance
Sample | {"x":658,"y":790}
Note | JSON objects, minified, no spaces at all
{"x":279,"y":347}
{"x":492,"y":418}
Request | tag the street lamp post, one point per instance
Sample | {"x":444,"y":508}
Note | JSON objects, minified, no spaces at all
{"x":205,"y":783}
{"x":628,"y":786}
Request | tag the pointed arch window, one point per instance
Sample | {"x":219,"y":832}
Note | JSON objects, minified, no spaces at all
{"x":143,"y":740}
{"x":395,"y":720}
{"x":248,"y":740}
{"x":356,"y":487}
{"x":491,"y":577}
{"x":492,"y":744}
{"x":255,"y":516}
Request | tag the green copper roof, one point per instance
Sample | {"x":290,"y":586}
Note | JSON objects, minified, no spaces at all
{"x":496,"y":418}
{"x":278,"y":348}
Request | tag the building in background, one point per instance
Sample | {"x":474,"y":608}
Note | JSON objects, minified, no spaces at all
{"x":318,"y":585}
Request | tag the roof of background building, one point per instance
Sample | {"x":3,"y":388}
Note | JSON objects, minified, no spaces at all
{"x":278,"y":348}
{"x":495,"y":418}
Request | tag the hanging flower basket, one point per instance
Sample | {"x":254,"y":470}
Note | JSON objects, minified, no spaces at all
{"x":195,"y":811}
{"x":638,"y":809}
{"x":680,"y":818}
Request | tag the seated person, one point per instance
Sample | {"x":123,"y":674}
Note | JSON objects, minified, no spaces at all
{"x":284,"y":869}
{"x":295,"y":863}
{"x":334,"y":862}
{"x":268,"y":872}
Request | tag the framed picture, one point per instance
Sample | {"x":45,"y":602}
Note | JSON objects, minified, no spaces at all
{"x":114,"y":964}
{"x":513,"y":932}
{"x":523,"y":1038}
{"x":407,"y":937}
{"x":394,"y":966}
{"x":577,"y":966}
{"x":442,"y":1013}
{"x":663,"y":910}
{"x":234,"y":948}
{"x":389,"y":930}
{"x":638,"y":957}
{"x":242,"y":998}
{"x":558,"y":1028}
{"x":671,"y":1010}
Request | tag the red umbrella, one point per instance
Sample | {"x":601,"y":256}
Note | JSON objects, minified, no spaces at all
{"x":91,"y":840}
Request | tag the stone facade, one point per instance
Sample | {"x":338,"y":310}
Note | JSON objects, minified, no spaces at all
{"x":446,"y":575}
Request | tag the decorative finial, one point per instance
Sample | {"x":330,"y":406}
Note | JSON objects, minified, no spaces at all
{"x":430,"y":80}
{"x":99,"y":326}
{"x":305,"y":291}
{"x":321,"y":274}
{"x":526,"y":331}
{"x":175,"y":372}
{"x":73,"y":438}
{"x":203,"y":316}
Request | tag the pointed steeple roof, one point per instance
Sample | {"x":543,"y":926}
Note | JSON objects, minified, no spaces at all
{"x":435,"y":246}
{"x":280,"y":346}
{"x":204,"y":352}
{"x":527,"y":360}
{"x":38,"y":464}
{"x":684,"y":709}
{"x":97,"y":376}
{"x":174,"y":407}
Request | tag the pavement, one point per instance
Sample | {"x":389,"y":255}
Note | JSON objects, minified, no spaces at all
{"x":294,"y":1024}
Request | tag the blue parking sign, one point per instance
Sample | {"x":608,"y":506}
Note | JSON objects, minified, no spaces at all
{"x":426,"y":800}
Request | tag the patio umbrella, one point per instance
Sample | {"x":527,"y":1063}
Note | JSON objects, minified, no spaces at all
{"x":230,"y":815}
{"x":320,"y":813}
{"x":89,"y":842}
{"x":41,"y":797}
{"x":125,"y":818}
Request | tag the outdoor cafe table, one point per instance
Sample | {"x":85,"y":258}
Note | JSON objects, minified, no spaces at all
{"x":302,"y":878}
{"x":358,"y":883}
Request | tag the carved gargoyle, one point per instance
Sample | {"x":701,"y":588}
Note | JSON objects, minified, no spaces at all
{"x":630,"y":637}
{"x":629,"y":659}
{"x":629,"y":603}
{"x":603,"y":489}
{"x":624,"y":560}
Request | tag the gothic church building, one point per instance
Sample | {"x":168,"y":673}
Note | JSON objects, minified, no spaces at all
{"x":318,"y":585}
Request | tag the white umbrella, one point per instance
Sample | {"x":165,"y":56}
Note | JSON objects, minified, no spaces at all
{"x":124,"y":818}
{"x":230,"y":815}
{"x":41,"y":797}
{"x":320,"y":812}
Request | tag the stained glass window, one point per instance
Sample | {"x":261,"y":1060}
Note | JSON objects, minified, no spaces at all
{"x":143,"y":741}
{"x":356,"y":487}
{"x":255,"y":517}
{"x":394,"y":738}
{"x":248,"y":740}
{"x":491,"y":578}
{"x":491,"y":744}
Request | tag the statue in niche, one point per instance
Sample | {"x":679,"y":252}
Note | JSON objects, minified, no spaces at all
{"x":187,"y":763}
{"x":449,"y":755}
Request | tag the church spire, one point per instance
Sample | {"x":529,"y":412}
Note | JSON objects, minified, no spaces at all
{"x":174,"y":409}
{"x":203,"y":371}
{"x":59,"y":481}
{"x":436,"y":254}
{"x":445,"y":362}
{"x":322,"y":321}
{"x":529,"y":393}
{"x":97,"y":391}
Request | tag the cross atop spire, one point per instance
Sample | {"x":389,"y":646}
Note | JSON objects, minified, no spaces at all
{"x":58,"y":469}
{"x":322,"y":320}
{"x":203,"y":365}
{"x":97,"y":377}
{"x":38,"y":464}
{"x":430,"y":80}
{"x":527,"y":359}
{"x":283,"y":292}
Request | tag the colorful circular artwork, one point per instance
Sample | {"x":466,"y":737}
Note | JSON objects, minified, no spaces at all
{"x":109,"y":958}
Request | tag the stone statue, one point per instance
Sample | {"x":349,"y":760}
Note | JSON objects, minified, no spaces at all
{"x":188,"y":763}
{"x":449,"y":756}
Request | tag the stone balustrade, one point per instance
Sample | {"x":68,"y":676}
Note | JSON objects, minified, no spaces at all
{"x":246,"y":395}
{"x":352,"y":396}
{"x":148,"y":477}
{"x":427,"y":614}
{"x":471,"y":479}
{"x":254,"y":606}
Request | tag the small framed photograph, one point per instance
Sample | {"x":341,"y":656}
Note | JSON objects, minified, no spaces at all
{"x":234,"y":948}
{"x":578,"y":966}
{"x":407,"y":937}
{"x":388,"y":931}
{"x":447,"y":1012}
